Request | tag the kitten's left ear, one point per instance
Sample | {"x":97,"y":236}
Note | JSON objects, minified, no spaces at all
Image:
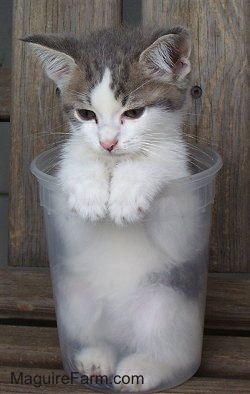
{"x":168,"y":57}
{"x":58,"y":65}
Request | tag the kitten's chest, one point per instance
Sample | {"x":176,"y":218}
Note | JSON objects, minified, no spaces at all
{"x":116,"y":258}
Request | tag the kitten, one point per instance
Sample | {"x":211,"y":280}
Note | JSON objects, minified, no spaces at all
{"x":123,"y":92}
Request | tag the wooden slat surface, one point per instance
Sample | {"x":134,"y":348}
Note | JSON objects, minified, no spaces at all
{"x":220,"y":37}
{"x":195,"y":385}
{"x":4,"y":94}
{"x":228,"y":303}
{"x":23,"y":346}
{"x":225,"y":357}
{"x":27,"y":294}
{"x":36,"y":119}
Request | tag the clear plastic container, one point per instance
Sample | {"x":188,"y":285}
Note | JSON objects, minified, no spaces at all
{"x":139,"y":329}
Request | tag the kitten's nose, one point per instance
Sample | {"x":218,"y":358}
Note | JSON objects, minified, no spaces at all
{"x":109,"y":145}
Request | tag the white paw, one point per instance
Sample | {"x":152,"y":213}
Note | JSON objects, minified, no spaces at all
{"x":141,"y":374}
{"x":89,"y":200}
{"x":96,"y":361}
{"x":127,"y":207}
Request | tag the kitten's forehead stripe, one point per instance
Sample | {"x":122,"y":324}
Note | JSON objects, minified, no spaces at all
{"x":102,"y":96}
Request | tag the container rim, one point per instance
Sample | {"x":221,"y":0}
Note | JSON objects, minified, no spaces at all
{"x":211,"y":171}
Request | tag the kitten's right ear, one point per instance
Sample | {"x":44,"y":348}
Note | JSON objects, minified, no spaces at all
{"x":58,"y":65}
{"x":168,"y":57}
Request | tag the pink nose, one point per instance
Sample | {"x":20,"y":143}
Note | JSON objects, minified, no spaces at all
{"x":109,"y":145}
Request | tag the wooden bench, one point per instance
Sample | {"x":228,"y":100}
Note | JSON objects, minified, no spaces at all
{"x":29,"y":341}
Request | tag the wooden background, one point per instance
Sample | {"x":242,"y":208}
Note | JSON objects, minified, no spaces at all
{"x":220,"y":35}
{"x":35,"y":111}
{"x":220,"y":117}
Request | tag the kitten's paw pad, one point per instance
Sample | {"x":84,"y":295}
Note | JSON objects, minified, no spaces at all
{"x":140,"y":374}
{"x":93,"y":361}
{"x":128,"y":208}
{"x":88,"y":202}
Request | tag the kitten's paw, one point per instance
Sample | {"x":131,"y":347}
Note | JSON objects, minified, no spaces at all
{"x":142,"y":372}
{"x":127,"y":207}
{"x":89,"y":200}
{"x":93,"y":361}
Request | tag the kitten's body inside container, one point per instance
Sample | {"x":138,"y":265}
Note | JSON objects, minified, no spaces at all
{"x":127,"y":222}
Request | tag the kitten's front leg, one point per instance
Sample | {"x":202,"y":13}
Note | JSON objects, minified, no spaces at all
{"x":133,"y":187}
{"x":86,"y":186}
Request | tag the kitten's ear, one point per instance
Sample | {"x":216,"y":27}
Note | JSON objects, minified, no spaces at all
{"x":168,"y":57}
{"x":58,"y":65}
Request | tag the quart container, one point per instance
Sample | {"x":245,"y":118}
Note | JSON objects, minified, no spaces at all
{"x":139,"y":325}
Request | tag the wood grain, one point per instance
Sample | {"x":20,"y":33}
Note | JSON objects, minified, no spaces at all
{"x":4,"y":94}
{"x":225,"y":357}
{"x":228,"y":303}
{"x":195,"y":385}
{"x":27,"y":294}
{"x":220,"y":34}
{"x":23,"y":346}
{"x":36,"y":119}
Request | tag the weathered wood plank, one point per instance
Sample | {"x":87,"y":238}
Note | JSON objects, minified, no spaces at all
{"x":195,"y":385}
{"x":23,"y":346}
{"x":36,"y":119}
{"x":38,"y":347}
{"x":225,"y":357}
{"x":228,"y":303}
{"x":4,"y":94}
{"x":27,"y":294}
{"x":221,"y":117}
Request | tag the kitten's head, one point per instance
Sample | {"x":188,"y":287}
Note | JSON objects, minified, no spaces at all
{"x":122,"y":90}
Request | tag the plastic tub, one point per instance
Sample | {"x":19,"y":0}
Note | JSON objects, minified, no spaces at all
{"x":115,"y":329}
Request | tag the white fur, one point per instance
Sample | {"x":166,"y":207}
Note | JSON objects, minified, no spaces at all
{"x":127,"y":225}
{"x":96,"y":360}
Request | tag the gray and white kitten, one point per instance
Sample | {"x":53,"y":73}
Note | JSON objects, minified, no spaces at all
{"x":123,"y":92}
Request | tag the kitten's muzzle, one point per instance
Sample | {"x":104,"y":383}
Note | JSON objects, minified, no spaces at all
{"x":109,"y":144}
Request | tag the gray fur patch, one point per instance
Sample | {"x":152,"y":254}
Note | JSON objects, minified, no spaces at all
{"x":118,"y":49}
{"x":187,"y":278}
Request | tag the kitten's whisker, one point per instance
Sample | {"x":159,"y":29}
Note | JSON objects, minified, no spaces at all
{"x":76,"y":92}
{"x":196,"y":148}
{"x":56,"y":104}
{"x":195,"y":165}
{"x":80,"y":95}
{"x":195,"y":157}
{"x":46,"y":133}
{"x":61,"y":126}
{"x":190,"y":113}
{"x":196,"y":160}
{"x":162,"y":140}
{"x":43,"y":108}
{"x":152,"y":152}
{"x":197,"y":137}
{"x":135,"y":90}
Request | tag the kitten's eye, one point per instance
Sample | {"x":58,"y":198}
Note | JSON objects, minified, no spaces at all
{"x":86,"y":114}
{"x":134,"y":113}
